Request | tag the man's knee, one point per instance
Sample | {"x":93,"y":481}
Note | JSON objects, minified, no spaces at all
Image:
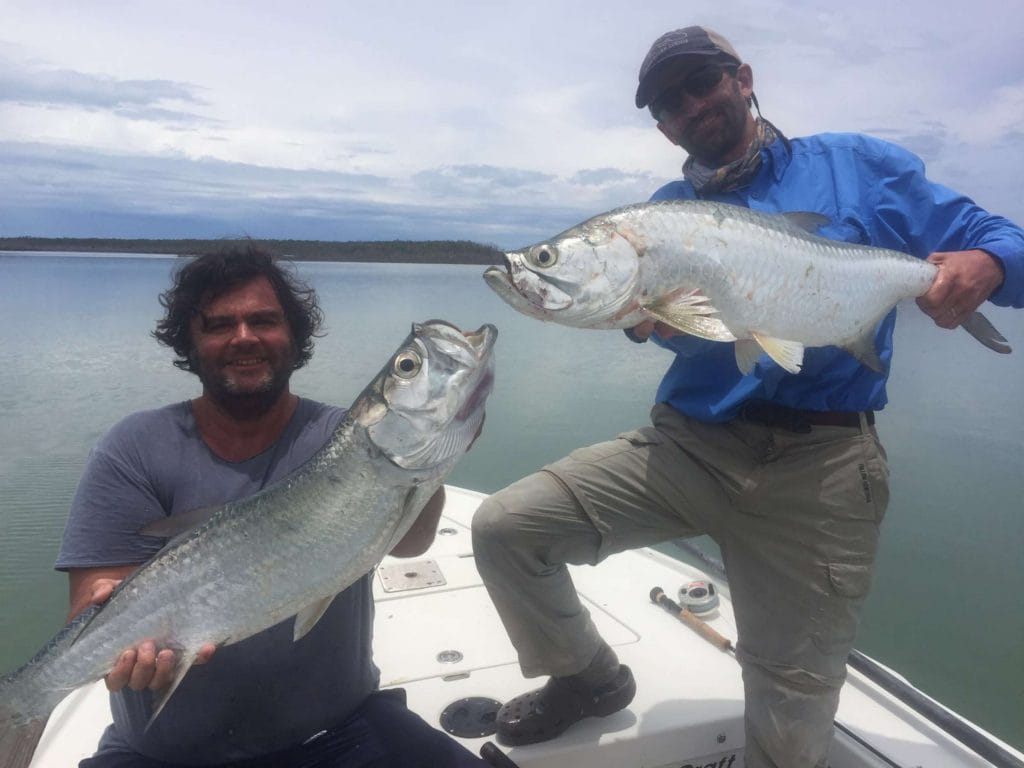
{"x":512,"y":514}
{"x":490,"y":522}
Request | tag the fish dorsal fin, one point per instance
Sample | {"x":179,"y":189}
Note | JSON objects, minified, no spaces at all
{"x":980,"y":328}
{"x":160,"y":699}
{"x":808,"y":221}
{"x":307,"y":618}
{"x":177,"y":524}
{"x":788,"y":354}
{"x":690,"y":313}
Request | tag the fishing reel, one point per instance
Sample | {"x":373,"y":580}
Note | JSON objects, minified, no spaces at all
{"x":699,"y":597}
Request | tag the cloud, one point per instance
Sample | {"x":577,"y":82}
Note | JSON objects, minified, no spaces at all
{"x":64,"y":88}
{"x":79,"y":192}
{"x":429,"y":123}
{"x":475,"y":181}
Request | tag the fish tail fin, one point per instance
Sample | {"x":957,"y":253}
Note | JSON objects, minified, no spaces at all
{"x":980,"y":328}
{"x":18,"y":739}
{"x":26,"y":700}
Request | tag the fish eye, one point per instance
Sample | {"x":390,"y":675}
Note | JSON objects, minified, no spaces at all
{"x":407,"y":364}
{"x":544,"y":256}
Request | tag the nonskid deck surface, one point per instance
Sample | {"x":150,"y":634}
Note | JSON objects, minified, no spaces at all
{"x":438,"y":636}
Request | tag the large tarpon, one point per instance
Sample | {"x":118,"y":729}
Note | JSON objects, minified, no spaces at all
{"x":720,"y":272}
{"x":290,"y":549}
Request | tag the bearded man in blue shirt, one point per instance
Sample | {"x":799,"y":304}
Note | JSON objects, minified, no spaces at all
{"x":785,"y":472}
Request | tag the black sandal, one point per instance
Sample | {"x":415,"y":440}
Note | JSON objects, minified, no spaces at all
{"x":545,"y":713}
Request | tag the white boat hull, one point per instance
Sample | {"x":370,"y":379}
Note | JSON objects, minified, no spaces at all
{"x":438,"y":637}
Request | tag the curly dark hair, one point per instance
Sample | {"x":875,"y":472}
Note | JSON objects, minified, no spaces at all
{"x":213,"y":274}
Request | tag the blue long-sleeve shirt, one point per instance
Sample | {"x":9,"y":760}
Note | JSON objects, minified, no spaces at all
{"x":874,"y":193}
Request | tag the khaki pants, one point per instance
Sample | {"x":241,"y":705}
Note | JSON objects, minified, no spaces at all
{"x":797,"y":518}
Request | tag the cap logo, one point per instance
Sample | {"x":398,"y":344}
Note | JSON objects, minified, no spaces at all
{"x":667,"y":43}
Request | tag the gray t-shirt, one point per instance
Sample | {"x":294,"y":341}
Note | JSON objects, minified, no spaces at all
{"x":256,"y":696}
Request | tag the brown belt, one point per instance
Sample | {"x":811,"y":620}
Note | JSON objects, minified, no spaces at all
{"x":797,"y":420}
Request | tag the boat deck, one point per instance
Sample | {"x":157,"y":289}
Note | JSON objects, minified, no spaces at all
{"x":438,"y":637}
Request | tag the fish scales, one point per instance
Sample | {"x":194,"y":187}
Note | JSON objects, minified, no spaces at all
{"x":763,"y":273}
{"x":282,"y":556}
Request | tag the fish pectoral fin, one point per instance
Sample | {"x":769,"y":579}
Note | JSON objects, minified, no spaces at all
{"x":160,"y":699}
{"x":687,"y":302}
{"x":307,"y":618}
{"x":788,"y":354}
{"x":980,"y":328}
{"x":177,"y":524}
{"x":690,"y":313}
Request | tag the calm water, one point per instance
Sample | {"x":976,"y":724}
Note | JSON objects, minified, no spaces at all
{"x":947,"y":610}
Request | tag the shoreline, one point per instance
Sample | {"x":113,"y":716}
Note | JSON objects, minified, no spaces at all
{"x":380,"y":251}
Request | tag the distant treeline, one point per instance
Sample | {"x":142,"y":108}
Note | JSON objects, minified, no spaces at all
{"x":410,"y":251}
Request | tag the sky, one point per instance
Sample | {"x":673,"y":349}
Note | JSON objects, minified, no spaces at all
{"x":502,"y":123}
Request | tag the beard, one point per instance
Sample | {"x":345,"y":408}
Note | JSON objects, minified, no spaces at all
{"x":246,"y":400}
{"x":715,"y":133}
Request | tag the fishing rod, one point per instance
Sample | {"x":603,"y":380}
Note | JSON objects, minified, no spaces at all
{"x":686,"y":616}
{"x":723,"y":643}
{"x":980,"y":743}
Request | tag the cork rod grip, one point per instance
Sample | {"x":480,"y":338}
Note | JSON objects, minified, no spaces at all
{"x":659,"y":597}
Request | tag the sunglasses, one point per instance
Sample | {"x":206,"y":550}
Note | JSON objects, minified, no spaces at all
{"x":697,"y":85}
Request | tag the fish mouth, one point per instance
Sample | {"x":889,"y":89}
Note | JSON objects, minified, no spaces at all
{"x":482,"y":339}
{"x":500,"y":281}
{"x":523,"y":289}
{"x":480,"y":342}
{"x":495,"y":276}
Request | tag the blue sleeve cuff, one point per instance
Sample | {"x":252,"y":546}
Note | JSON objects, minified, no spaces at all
{"x":1011,"y":255}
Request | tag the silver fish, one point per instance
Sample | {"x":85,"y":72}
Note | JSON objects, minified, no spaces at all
{"x":299,"y":542}
{"x":720,"y":272}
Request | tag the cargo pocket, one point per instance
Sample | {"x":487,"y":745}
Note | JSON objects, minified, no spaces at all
{"x":839,"y":611}
{"x":851,"y":580}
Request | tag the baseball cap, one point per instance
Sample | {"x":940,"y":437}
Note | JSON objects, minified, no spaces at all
{"x":689,"y":41}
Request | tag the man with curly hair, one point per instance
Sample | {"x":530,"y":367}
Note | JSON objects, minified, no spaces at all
{"x":242,"y":323}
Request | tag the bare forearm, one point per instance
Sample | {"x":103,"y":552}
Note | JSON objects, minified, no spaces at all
{"x":421,"y":535}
